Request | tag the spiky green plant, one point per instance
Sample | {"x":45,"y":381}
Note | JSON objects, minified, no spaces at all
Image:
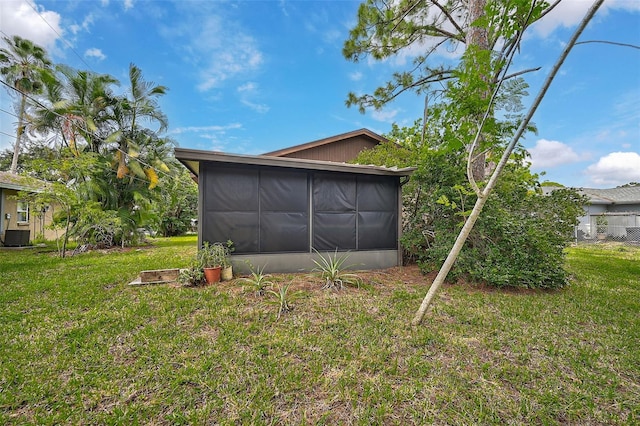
{"x":281,"y":298}
{"x":258,"y":281}
{"x":332,"y":271}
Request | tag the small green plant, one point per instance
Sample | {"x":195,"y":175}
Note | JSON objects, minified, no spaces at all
{"x":229,"y":248}
{"x":212,"y":255}
{"x":331,"y":270}
{"x":281,"y":298}
{"x":258,"y":281}
{"x":192,"y":276}
{"x":601,"y":224}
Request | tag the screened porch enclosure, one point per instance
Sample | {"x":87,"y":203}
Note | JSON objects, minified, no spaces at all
{"x":267,"y":210}
{"x":283,"y":213}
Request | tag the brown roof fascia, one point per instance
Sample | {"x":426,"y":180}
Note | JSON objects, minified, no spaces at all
{"x":325,"y":141}
{"x":190,"y":156}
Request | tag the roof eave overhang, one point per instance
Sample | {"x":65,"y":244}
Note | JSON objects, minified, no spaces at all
{"x":16,"y":187}
{"x":192,"y":157}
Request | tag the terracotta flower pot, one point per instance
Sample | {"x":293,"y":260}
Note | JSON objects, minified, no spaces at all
{"x":212,"y":275}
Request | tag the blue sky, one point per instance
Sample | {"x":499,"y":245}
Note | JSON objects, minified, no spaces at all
{"x":255,"y":76}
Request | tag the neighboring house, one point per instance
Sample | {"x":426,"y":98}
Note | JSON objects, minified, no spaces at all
{"x":340,"y":148}
{"x":618,"y":210}
{"x":278,"y":210}
{"x":19,"y":223}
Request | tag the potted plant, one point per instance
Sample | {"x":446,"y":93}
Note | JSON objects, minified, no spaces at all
{"x":601,"y":227}
{"x":227,"y":268}
{"x":211,"y":257}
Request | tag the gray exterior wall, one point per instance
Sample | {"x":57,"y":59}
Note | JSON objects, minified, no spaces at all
{"x":624,"y":208}
{"x":303,"y":262}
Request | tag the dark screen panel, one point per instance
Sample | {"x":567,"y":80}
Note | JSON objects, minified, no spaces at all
{"x":377,"y":231}
{"x":334,"y":193}
{"x":376,"y":194}
{"x":333,"y":231}
{"x":266,"y":210}
{"x":231,"y":189}
{"x":239,"y":227}
{"x":284,"y":232}
{"x":283,"y":191}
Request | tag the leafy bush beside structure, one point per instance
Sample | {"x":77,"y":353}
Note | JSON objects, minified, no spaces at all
{"x":519,"y":239}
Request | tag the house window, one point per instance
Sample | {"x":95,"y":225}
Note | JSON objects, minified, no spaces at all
{"x":22,"y":212}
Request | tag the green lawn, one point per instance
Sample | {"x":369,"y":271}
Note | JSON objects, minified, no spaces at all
{"x":80,"y":346}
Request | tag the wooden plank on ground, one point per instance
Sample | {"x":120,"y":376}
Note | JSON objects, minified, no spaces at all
{"x":159,"y":275}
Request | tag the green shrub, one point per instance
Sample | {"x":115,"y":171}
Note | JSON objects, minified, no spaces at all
{"x":519,"y":245}
{"x":519,"y":239}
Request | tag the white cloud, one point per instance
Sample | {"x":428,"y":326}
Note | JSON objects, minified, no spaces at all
{"x":250,"y":90}
{"x":204,"y":129}
{"x":128,"y":4}
{"x":19,"y":18}
{"x":86,"y":24}
{"x":332,"y":35}
{"x":261,"y":108}
{"x":616,"y":168}
{"x":384,"y":116}
{"x":355,"y":76}
{"x":219,"y":141}
{"x":320,"y":23}
{"x":283,"y":8}
{"x":95,"y":53}
{"x":213,"y":138}
{"x":566,"y":14}
{"x":569,"y":13}
{"x":630,"y":5}
{"x":248,"y":87}
{"x":219,"y":49}
{"x":547,"y":154}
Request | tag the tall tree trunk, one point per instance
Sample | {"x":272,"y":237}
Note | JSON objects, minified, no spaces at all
{"x":19,"y":133}
{"x":477,"y":35}
{"x":482,"y":198}
{"x":478,"y":38}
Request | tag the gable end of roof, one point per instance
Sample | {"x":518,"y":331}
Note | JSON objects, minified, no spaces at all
{"x":320,"y":142}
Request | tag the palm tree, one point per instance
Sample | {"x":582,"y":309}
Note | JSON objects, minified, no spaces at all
{"x":22,"y":63}
{"x":79,"y":109}
{"x":136,"y":142}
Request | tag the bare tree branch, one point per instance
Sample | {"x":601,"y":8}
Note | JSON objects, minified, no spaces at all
{"x":446,"y":13}
{"x":549,"y":9}
{"x":515,"y":74}
{"x":405,"y":14}
{"x":615,"y":43}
